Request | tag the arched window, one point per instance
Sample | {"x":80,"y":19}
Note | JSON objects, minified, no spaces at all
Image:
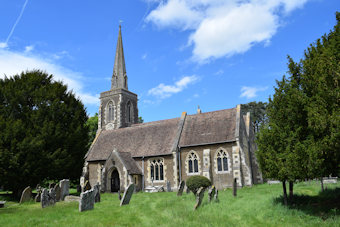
{"x":192,"y":160}
{"x":110,"y":112}
{"x":156,"y":170}
{"x":128,"y":112}
{"x":222,"y":161}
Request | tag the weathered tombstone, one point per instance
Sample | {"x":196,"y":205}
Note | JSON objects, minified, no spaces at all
{"x":119,"y":195}
{"x":127,"y":195}
{"x":235,"y":187}
{"x":216,"y":196}
{"x":38,"y":197}
{"x":96,"y":193}
{"x":86,"y":200}
{"x":211,"y":192}
{"x":2,"y":204}
{"x":181,"y":187}
{"x":168,"y":186}
{"x":45,"y":198}
{"x":52,"y":196}
{"x":51,"y":185}
{"x":26,"y":195}
{"x":57,"y":192}
{"x":199,"y":197}
{"x":64,"y":188}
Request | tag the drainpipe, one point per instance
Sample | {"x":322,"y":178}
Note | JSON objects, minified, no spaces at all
{"x":143,"y":174}
{"x":179,"y":165}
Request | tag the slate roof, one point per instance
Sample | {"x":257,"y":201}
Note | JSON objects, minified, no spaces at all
{"x":208,"y":128}
{"x":147,"y":139}
{"x":158,"y":137}
{"x":129,"y":163}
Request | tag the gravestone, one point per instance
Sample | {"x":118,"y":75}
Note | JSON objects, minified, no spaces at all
{"x":216,"y":196}
{"x":199,"y":197}
{"x":127,"y":195}
{"x":26,"y":195}
{"x":47,"y":197}
{"x":86,"y":200}
{"x":235,"y":187}
{"x":119,"y":195}
{"x":96,"y":193}
{"x":72,"y":198}
{"x":51,"y":185}
{"x":38,"y":197}
{"x":64,"y":188}
{"x":57,"y":192}
{"x":211,"y":192}
{"x":181,"y":187}
{"x":168,"y":186}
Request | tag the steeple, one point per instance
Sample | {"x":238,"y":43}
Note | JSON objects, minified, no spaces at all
{"x":119,"y":77}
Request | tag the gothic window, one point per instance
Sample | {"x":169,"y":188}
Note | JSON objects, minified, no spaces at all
{"x":222,"y":161}
{"x":156,"y":170}
{"x":129,"y":112}
{"x":110,"y":112}
{"x":192,"y":162}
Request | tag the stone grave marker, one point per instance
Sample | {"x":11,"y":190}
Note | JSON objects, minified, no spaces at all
{"x":38,"y":197}
{"x":211,"y":192}
{"x":57,"y":190}
{"x":127,"y":195}
{"x":235,"y":187}
{"x":96,"y":193}
{"x":181,"y":187}
{"x":168,"y":186}
{"x":86,"y":200}
{"x":52,"y":196}
{"x":47,"y":197}
{"x":199,"y":197}
{"x":64,"y":188}
{"x":51,"y":185}
{"x":216,"y":196}
{"x":26,"y":195}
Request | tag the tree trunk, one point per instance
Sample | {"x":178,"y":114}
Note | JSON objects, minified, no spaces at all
{"x":321,"y":180}
{"x":291,"y":186}
{"x":284,"y":192}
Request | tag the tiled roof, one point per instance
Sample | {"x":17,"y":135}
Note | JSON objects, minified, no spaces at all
{"x":129,"y":163}
{"x":210,"y":127}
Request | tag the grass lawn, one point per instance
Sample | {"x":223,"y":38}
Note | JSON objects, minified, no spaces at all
{"x":260,"y":205}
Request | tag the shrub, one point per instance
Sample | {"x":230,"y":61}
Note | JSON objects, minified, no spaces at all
{"x":195,"y":182}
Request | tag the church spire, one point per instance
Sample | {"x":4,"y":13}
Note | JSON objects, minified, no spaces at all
{"x":119,"y":77}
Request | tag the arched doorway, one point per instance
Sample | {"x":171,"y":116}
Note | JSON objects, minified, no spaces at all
{"x":115,"y":182}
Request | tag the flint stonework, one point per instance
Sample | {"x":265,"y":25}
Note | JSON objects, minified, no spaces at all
{"x":64,"y":188}
{"x":127,"y":195}
{"x":57,"y":192}
{"x":26,"y":195}
{"x":199,"y":197}
{"x":86,"y":200}
{"x":181,"y":187}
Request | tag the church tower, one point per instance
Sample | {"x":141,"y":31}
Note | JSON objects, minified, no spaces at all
{"x":118,"y":106}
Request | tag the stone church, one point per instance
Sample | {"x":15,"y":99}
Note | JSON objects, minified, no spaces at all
{"x":218,"y":145}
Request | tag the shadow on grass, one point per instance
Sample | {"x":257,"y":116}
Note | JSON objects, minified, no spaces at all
{"x":324,"y":205}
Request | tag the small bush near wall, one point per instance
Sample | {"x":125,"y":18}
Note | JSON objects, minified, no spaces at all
{"x":195,"y":182}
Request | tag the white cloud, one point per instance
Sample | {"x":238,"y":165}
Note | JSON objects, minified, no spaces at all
{"x":223,"y":28}
{"x":29,"y":48}
{"x":3,"y":45}
{"x":12,"y":63}
{"x":219,"y":72}
{"x":251,"y":92}
{"x":165,"y":91}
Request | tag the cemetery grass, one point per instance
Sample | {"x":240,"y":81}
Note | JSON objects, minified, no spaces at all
{"x":260,"y":205}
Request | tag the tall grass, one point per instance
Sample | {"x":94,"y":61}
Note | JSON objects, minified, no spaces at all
{"x":257,"y":206}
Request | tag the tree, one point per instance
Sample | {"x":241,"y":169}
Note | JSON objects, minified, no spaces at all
{"x":43,"y":131}
{"x":92,"y":124}
{"x":140,"y":120}
{"x":257,"y":113}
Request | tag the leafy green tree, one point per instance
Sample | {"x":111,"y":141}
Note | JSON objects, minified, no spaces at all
{"x":92,"y":124}
{"x":43,"y":131}
{"x":140,"y":120}
{"x":257,"y":113}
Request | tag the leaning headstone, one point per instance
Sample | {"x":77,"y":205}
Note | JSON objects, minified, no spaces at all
{"x":86,"y":200}
{"x":235,"y":187}
{"x":127,"y":195}
{"x":211,"y":192}
{"x":52,"y":196}
{"x":71,"y":198}
{"x":119,"y":195}
{"x":64,"y":188}
{"x":168,"y":186}
{"x":216,"y":196}
{"x":47,"y":197}
{"x":96,"y":193}
{"x":57,"y":192}
{"x":181,"y":187}
{"x":26,"y":195}
{"x":199,"y":197}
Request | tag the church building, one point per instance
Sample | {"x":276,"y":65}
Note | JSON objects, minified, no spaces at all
{"x":218,"y":145}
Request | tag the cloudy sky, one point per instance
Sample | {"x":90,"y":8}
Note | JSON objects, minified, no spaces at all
{"x":179,"y":53}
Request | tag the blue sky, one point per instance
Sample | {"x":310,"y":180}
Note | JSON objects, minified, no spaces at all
{"x":178,"y":53}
